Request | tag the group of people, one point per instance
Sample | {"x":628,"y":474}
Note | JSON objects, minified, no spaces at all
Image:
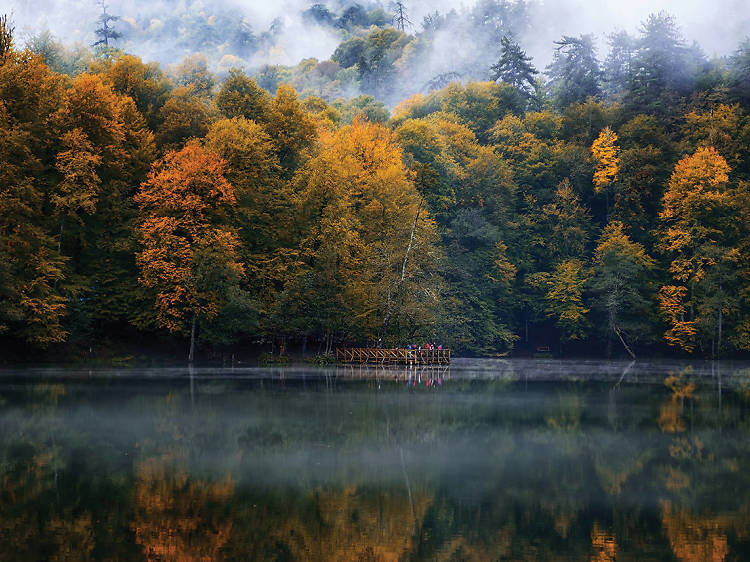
{"x":428,"y":346}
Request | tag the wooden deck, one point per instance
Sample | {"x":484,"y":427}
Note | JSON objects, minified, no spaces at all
{"x":394,"y":356}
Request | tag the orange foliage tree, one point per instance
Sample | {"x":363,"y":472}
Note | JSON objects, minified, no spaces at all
{"x":189,"y":252}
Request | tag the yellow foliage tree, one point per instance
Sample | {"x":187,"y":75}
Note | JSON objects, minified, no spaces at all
{"x":696,"y":219}
{"x":681,"y":332}
{"x":32,"y":306}
{"x":367,"y":236}
{"x":607,"y":156}
{"x":565,"y":302}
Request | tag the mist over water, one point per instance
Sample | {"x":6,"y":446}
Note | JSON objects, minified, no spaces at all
{"x":484,"y":459}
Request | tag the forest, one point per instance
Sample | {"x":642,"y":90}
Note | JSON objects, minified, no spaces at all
{"x":597,"y":206}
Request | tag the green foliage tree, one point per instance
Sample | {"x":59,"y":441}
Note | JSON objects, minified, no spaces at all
{"x":739,"y":65}
{"x":619,"y":286}
{"x":263,"y":213}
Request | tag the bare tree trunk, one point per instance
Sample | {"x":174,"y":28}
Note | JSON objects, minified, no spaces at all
{"x":411,"y":242}
{"x":622,"y":340}
{"x":191,"y":355}
{"x":389,"y":311}
{"x":526,"y":325}
{"x":59,"y":238}
{"x":718,"y":345}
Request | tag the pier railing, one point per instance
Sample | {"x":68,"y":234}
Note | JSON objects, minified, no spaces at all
{"x":394,"y":356}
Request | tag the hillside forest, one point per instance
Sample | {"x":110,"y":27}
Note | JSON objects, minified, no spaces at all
{"x":596,"y":206}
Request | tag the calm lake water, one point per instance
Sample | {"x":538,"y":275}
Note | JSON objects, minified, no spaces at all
{"x":486,"y":460}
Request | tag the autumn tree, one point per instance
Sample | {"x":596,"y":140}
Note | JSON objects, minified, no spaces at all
{"x":724,"y":128}
{"x":696,"y":229}
{"x":565,"y":299}
{"x":188,"y":254}
{"x":32,"y":304}
{"x":605,"y":152}
{"x":145,"y":83}
{"x":367,"y":239}
{"x":240,"y":96}
{"x":105,"y":151}
{"x":291,"y":128}
{"x":606,"y":156}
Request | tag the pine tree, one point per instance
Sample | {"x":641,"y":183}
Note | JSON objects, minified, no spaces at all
{"x":105,"y":32}
{"x":515,"y":68}
{"x":617,"y":71}
{"x":6,"y":37}
{"x":574,"y":72}
{"x":400,"y":16}
{"x":659,"y":68}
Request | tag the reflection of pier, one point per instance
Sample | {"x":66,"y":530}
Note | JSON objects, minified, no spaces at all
{"x":405,"y":373}
{"x":378,"y":356}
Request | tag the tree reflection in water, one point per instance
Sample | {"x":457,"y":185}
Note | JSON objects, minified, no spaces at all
{"x":499,"y":462}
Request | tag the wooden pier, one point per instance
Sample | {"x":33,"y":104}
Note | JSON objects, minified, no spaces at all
{"x":399,"y":356}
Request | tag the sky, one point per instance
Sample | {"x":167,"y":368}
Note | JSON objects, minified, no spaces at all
{"x":718,"y":25}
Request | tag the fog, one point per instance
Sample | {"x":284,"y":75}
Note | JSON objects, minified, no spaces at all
{"x":168,"y":30}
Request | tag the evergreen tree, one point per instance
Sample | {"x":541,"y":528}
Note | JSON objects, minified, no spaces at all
{"x":6,"y":37}
{"x":515,"y":68}
{"x":618,"y":66}
{"x":739,"y":82}
{"x":660,"y":67}
{"x":574,"y":72}
{"x":105,"y":32}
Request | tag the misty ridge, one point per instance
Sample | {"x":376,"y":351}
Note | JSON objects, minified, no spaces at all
{"x":390,"y":51}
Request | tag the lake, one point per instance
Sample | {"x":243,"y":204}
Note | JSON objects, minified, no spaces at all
{"x":483,"y":460}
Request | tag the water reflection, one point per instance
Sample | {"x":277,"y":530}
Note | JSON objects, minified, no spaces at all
{"x":485,"y":460}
